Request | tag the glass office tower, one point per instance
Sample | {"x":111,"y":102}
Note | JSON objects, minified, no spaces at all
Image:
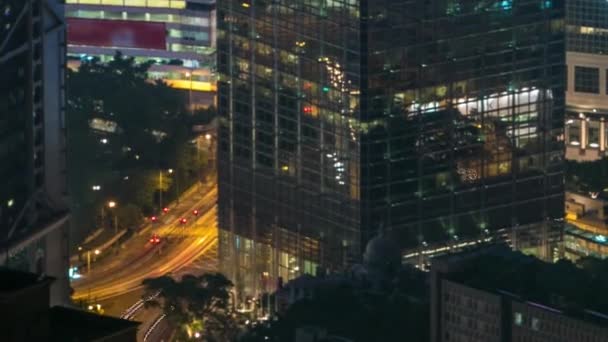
{"x":438,"y":123}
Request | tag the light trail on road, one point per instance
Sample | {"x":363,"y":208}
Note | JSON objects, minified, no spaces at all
{"x":177,"y":257}
{"x":126,"y":273}
{"x":116,"y":281}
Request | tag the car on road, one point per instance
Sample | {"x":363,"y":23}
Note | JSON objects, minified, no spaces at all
{"x":183,"y":220}
{"x":155,"y":239}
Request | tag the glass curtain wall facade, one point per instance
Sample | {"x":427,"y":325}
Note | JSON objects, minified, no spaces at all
{"x":465,"y":104}
{"x":587,"y":26}
{"x":289,"y":140}
{"x":434,"y":122}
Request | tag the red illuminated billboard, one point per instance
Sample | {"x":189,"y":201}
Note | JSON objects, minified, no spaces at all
{"x":116,"y":33}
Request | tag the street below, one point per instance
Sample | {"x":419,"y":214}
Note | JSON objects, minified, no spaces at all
{"x":115,"y":280}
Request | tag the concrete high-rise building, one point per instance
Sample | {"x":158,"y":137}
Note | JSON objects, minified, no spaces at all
{"x":33,"y":208}
{"x":177,"y":36}
{"x":585,"y":123}
{"x":439,"y":123}
{"x":587,"y":88}
{"x":496,"y":295}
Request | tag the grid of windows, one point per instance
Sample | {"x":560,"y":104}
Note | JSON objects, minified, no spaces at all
{"x":15,"y":124}
{"x":586,"y":80}
{"x":430,"y":126}
{"x":587,"y":26}
{"x":133,"y":3}
{"x":138,"y":16}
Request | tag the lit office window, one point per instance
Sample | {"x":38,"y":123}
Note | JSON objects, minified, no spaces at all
{"x":178,"y":4}
{"x":112,"y":2}
{"x":574,"y":132}
{"x":518,"y":318}
{"x":135,"y":3}
{"x":594,"y":134}
{"x":195,"y":21}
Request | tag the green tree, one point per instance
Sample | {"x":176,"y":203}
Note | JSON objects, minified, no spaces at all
{"x":195,"y":302}
{"x":129,"y":215}
{"x":587,"y":176}
{"x":153,"y":133}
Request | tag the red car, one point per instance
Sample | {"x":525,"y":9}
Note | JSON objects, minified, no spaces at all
{"x":183,"y":220}
{"x":155,"y":239}
{"x":165,"y":210}
{"x":195,"y":212}
{"x":153,"y":219}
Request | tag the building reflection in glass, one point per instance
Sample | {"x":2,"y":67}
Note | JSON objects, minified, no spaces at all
{"x":441,"y":125}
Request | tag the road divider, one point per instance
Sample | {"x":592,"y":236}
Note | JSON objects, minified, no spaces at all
{"x":130,"y":312}
{"x":153,"y":326}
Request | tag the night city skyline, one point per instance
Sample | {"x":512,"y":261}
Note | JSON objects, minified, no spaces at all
{"x":304,"y":170}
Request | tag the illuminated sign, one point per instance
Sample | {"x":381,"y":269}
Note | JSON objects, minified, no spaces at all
{"x":116,"y":33}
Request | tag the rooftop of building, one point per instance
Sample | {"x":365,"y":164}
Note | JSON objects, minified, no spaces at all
{"x":13,"y":280}
{"x":76,"y":325}
{"x":562,"y":287}
{"x":66,"y":324}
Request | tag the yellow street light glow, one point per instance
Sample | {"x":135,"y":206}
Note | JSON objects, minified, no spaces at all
{"x":208,"y":136}
{"x":111,"y":204}
{"x":170,"y":170}
{"x":97,"y":251}
{"x":285,"y":168}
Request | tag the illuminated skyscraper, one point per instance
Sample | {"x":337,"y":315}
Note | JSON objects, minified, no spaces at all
{"x":585,"y":124}
{"x":439,"y":123}
{"x":33,"y":209}
{"x":586,"y":100}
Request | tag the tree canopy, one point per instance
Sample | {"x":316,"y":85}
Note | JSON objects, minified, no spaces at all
{"x":153,"y":133}
{"x":195,"y":304}
{"x":357,"y":312}
{"x":587,"y":176}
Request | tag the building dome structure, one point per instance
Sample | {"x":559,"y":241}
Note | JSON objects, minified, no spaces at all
{"x":382,"y":255}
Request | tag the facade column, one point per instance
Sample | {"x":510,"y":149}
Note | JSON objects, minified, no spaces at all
{"x":583,"y":133}
{"x":602,"y":135}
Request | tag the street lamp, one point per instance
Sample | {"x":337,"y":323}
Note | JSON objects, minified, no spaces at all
{"x":189,"y":75}
{"x":160,"y":187}
{"x":208,"y":136}
{"x":112,"y":205}
{"x":97,"y":252}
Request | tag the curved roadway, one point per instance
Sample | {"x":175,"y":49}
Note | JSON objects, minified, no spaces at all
{"x":180,"y":245}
